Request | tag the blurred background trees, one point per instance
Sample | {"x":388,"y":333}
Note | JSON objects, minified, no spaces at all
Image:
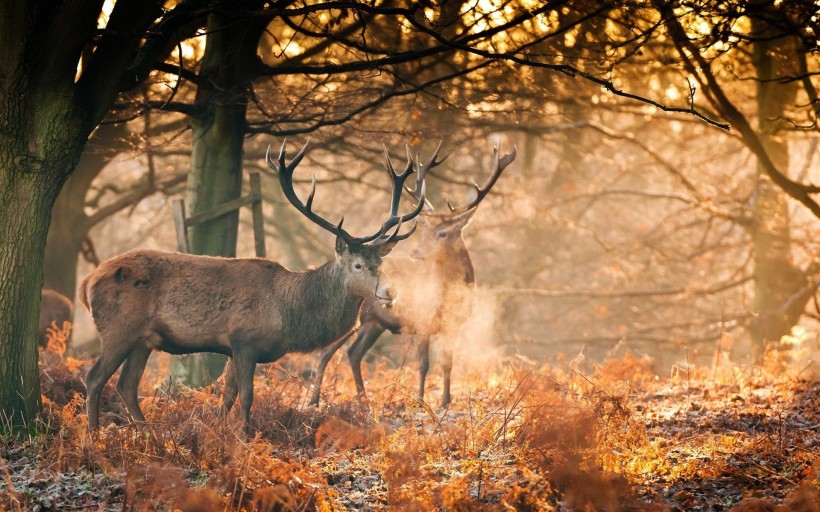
{"x":631,"y":219}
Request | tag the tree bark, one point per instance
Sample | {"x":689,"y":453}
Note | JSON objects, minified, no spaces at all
{"x":46,"y":116}
{"x":776,"y":279}
{"x":37,"y":149}
{"x":218,"y":129}
{"x":69,"y":222}
{"x":25,"y":199}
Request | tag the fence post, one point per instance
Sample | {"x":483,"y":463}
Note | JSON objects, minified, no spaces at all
{"x":178,"y":208}
{"x":258,"y":218}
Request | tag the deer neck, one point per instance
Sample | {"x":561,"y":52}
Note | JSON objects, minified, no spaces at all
{"x":458,"y":267}
{"x":330,"y":309}
{"x":336,"y":293}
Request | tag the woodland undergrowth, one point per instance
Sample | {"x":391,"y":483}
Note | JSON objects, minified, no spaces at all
{"x":519,"y":436}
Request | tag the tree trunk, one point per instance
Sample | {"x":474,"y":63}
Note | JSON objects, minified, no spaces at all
{"x":69,"y":222}
{"x":216,"y":160}
{"x":35,"y":158}
{"x":47,"y":113}
{"x":25,"y":200}
{"x":63,"y":245}
{"x":40,"y":141}
{"x":776,"y":280}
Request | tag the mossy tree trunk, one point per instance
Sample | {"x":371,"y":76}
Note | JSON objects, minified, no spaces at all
{"x":26,"y":196}
{"x":46,"y":116}
{"x":228,"y":67}
{"x":69,"y":222}
{"x":777,"y":282}
{"x":36,"y":153}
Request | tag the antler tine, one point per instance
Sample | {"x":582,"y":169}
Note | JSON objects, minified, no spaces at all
{"x":285,"y":173}
{"x":293,"y":163}
{"x":397,"y":183}
{"x":433,"y":162}
{"x":395,"y":236}
{"x":394,"y":218}
{"x":421,"y":175}
{"x":388,"y":164}
{"x":499,"y":164}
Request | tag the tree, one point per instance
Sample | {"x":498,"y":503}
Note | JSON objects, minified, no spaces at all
{"x":218,"y":130}
{"x":778,"y":46}
{"x":78,"y":208}
{"x":63,"y":72}
{"x":778,"y":282}
{"x":49,"y":111}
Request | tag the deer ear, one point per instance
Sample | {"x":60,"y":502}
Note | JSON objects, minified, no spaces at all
{"x":341,"y":245}
{"x":385,"y":249}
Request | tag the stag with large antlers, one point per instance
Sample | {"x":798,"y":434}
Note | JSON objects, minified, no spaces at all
{"x":253,"y":310}
{"x":440,"y":302}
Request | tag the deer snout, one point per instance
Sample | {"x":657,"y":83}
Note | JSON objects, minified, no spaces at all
{"x":386,"y":295}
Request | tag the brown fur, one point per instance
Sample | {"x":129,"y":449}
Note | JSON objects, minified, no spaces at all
{"x":55,"y":308}
{"x":444,"y":304}
{"x":436,"y":292}
{"x":253,"y":310}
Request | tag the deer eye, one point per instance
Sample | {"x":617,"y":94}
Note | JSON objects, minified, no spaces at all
{"x":441,"y":234}
{"x":358,"y":266}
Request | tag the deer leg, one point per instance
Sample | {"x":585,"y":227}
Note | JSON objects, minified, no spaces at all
{"x":244,"y":365}
{"x":447,"y":367}
{"x":424,"y":364}
{"x":98,"y":375}
{"x":129,"y":381}
{"x":368,"y":334}
{"x":324,"y":359}
{"x":229,"y":390}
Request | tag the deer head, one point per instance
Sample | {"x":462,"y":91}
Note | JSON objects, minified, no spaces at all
{"x":441,"y":233}
{"x":358,"y":259}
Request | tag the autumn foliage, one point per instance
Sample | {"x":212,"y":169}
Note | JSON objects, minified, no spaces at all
{"x":519,"y":437}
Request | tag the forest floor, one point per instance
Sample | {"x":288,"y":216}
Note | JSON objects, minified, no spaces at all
{"x":517,"y":437}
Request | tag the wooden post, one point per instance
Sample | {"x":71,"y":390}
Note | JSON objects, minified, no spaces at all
{"x":178,"y":206}
{"x":258,"y":218}
{"x":254,"y":199}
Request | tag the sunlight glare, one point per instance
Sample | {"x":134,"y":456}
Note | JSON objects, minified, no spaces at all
{"x":797,"y":336}
{"x":107,"y":8}
{"x":672,"y":92}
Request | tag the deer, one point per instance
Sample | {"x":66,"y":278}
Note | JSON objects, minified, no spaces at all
{"x":55,"y":309}
{"x":253,"y":310}
{"x":443,"y":304}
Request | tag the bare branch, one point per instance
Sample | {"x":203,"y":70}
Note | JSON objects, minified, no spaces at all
{"x":133,"y":197}
{"x":697,"y":65}
{"x":566,"y":69}
{"x":254,"y":128}
{"x":594,"y":294}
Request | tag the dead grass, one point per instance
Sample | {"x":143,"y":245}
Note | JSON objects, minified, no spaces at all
{"x":518,"y":437}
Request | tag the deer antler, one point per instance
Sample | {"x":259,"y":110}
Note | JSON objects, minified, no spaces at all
{"x":285,"y":173}
{"x":499,"y":164}
{"x":397,"y":183}
{"x":421,"y":175}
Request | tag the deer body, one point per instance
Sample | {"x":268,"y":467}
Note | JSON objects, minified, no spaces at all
{"x":253,"y":310}
{"x":439,"y":304}
{"x":181,"y":303}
